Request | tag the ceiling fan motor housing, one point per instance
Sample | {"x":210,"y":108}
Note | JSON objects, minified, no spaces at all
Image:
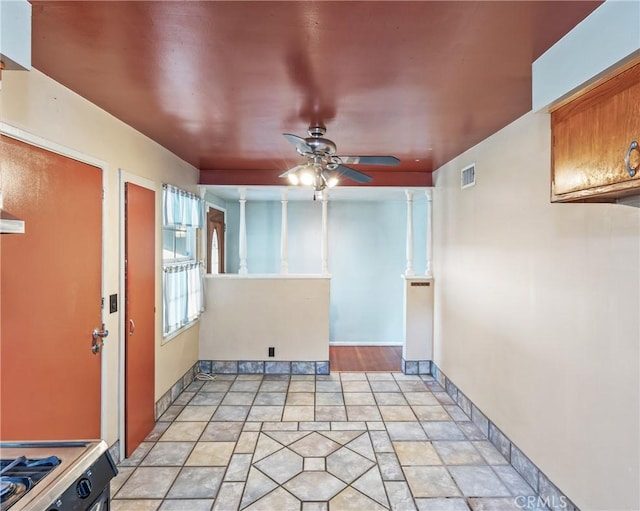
{"x":321,"y":145}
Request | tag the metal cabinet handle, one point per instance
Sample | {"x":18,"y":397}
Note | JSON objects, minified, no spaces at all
{"x":627,"y":159}
{"x":132,"y":327}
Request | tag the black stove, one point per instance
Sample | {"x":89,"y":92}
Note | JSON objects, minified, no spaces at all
{"x":20,"y":475}
{"x":55,"y":476}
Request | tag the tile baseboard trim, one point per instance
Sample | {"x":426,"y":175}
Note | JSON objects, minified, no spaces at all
{"x":308,"y":367}
{"x":416,"y":366}
{"x":176,"y":389}
{"x":114,"y":451}
{"x":549,"y":495}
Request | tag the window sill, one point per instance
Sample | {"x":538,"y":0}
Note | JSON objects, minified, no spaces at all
{"x":176,"y":333}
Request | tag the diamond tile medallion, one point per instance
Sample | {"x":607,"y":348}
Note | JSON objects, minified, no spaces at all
{"x":337,"y":442}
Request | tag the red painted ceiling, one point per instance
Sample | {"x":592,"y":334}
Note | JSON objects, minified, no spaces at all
{"x":217,"y":83}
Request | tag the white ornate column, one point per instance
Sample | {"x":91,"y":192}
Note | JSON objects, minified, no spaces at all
{"x":325,"y":237}
{"x":428,"y":271}
{"x":243,"y":233}
{"x":409,"y":271}
{"x":284,"y":236}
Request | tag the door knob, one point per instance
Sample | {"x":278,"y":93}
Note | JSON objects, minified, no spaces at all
{"x":132,"y":327}
{"x":98,"y":335}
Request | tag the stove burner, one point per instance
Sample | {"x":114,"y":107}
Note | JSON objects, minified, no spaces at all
{"x":19,"y":475}
{"x":11,"y":489}
{"x":7,"y":488}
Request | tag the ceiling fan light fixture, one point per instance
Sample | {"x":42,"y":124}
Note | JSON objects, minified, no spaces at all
{"x":332,"y":181}
{"x":306,"y":177}
{"x":293,"y":179}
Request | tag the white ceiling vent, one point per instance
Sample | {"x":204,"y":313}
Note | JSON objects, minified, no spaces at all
{"x":468,"y":176}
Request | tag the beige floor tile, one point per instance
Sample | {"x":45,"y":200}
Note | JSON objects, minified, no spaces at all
{"x":356,"y":386}
{"x":265,"y":413}
{"x":352,"y":376}
{"x":148,"y":483}
{"x":329,"y":398}
{"x":331,"y":413}
{"x":431,"y":413}
{"x":210,"y":454}
{"x":359,"y":398}
{"x":397,"y":413}
{"x":300,"y":398}
{"x":298,"y":413}
{"x":247,"y":442}
{"x":345,"y":441}
{"x":135,"y":505}
{"x":228,"y":497}
{"x":363,"y":413}
{"x":416,"y":453}
{"x":302,"y":386}
{"x":430,"y":482}
{"x":421,"y":398}
{"x":196,"y":413}
{"x":183,"y":432}
{"x":352,"y":500}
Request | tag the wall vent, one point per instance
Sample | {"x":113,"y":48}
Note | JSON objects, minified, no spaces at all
{"x":468,"y":176}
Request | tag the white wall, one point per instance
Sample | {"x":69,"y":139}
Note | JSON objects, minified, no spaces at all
{"x":367,"y":256}
{"x":536,"y":316}
{"x":34,"y":103}
{"x":604,"y":40}
{"x":247,"y":315}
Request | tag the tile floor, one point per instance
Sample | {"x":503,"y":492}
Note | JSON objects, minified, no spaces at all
{"x":342,"y":442}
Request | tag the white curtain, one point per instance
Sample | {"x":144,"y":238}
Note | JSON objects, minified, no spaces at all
{"x":181,"y":208}
{"x":183,"y":295}
{"x":183,"y":285}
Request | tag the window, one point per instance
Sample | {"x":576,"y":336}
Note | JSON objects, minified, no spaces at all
{"x":182,"y":285}
{"x":178,"y":244}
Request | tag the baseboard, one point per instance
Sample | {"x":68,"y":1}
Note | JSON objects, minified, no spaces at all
{"x":354,"y":343}
{"x":416,"y":366}
{"x":114,"y":451}
{"x":548,"y":494}
{"x":176,"y":389}
{"x":307,"y":367}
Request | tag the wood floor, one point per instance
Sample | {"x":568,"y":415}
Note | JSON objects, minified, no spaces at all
{"x":365,"y":358}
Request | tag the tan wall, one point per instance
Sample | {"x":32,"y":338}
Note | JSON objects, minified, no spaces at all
{"x":246,"y":315}
{"x":32,"y":102}
{"x":536,"y":314}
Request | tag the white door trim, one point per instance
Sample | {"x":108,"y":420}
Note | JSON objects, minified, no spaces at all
{"x":68,"y":152}
{"x":204,"y":233}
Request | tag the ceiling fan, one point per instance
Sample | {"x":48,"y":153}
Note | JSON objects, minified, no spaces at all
{"x":323,"y":167}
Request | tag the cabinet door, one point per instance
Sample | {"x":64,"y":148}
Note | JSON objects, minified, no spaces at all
{"x":591,"y":136}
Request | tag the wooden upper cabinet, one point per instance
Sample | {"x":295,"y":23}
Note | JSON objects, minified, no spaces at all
{"x":592,"y":142}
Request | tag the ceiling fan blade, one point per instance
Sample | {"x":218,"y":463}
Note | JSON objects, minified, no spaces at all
{"x":299,"y":143}
{"x":352,"y":174}
{"x":369,"y":160}
{"x":293,"y":170}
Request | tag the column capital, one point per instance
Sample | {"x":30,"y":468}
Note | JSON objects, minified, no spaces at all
{"x":429,"y":193}
{"x":409,"y":194}
{"x":243,"y":193}
{"x":284,"y":194}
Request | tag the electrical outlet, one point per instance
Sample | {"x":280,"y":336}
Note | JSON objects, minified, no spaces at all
{"x":113,"y":303}
{"x":272,"y":351}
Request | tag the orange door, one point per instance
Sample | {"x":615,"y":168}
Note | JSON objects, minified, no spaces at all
{"x":140,"y":314}
{"x":50,"y":296}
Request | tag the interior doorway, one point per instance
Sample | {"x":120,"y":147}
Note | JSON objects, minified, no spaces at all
{"x":51,"y":294}
{"x":139,"y":314}
{"x":215,"y":240}
{"x":365,"y":358}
